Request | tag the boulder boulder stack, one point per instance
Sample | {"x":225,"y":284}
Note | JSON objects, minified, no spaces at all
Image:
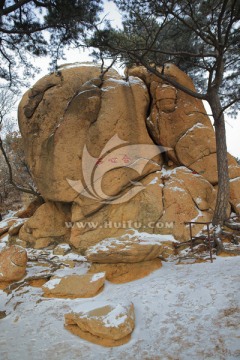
{"x":95,"y":149}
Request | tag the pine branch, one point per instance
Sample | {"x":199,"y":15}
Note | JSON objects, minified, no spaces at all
{"x":14,"y":7}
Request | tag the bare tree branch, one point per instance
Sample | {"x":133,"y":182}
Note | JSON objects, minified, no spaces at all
{"x":11,"y":181}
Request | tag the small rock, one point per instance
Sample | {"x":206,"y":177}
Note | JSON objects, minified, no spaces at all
{"x":13,"y":262}
{"x":108,"y":325}
{"x":5,"y":225}
{"x":62,"y":249}
{"x":42,"y":243}
{"x":14,"y":229}
{"x":3,"y":314}
{"x":75,"y":286}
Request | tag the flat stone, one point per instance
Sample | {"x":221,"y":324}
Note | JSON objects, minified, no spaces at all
{"x":126,"y":249}
{"x":125,"y":272}
{"x":74,"y":286}
{"x":107,"y":325}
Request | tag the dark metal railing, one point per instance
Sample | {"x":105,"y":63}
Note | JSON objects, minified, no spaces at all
{"x":193,"y":238}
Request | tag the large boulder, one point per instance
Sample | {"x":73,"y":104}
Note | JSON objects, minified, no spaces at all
{"x":127,"y":258}
{"x":180,"y":122}
{"x":69,"y":122}
{"x":175,"y":115}
{"x":13,"y":262}
{"x":106,"y":325}
{"x":114,"y":220}
{"x":187,"y":197}
{"x":90,"y":144}
{"x":127,"y":249}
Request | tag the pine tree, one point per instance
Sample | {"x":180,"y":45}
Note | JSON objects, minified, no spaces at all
{"x":201,"y":37}
{"x":37,"y":28}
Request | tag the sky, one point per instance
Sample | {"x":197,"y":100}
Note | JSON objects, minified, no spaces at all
{"x":74,"y":55}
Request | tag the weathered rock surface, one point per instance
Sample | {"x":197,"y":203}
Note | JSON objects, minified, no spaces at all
{"x":124,"y":272}
{"x":180,"y":122}
{"x":13,"y":261}
{"x":61,"y":249}
{"x":127,"y":249}
{"x":235,"y":194}
{"x":197,"y":142}
{"x":234,"y":176}
{"x":107,"y":325}
{"x":56,"y":131}
{"x":234,"y":170}
{"x":175,"y":116}
{"x":41,"y":243}
{"x":75,"y":286}
{"x":207,"y":167}
{"x":145,"y":208}
{"x":14,"y":229}
{"x":6,"y":224}
{"x":88,"y":147}
{"x":186,"y":196}
{"x":48,"y":222}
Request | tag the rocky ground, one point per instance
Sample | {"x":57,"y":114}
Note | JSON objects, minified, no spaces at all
{"x":187,"y":309}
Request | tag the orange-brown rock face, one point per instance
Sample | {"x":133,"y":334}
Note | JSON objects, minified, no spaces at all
{"x":63,"y":115}
{"x":180,"y":122}
{"x":46,"y":225}
{"x":121,"y":273}
{"x":13,"y":261}
{"x":91,"y":147}
{"x":107,"y":325}
{"x":75,"y":286}
{"x":125,"y":250}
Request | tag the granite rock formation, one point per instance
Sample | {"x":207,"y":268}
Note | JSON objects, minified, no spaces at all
{"x":95,"y":144}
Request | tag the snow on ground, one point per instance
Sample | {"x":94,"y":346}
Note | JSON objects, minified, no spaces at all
{"x":182,"y":312}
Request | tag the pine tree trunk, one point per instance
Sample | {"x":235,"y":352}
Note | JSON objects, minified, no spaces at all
{"x":220,"y":213}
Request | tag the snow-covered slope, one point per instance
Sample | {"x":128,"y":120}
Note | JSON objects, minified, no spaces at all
{"x":182,"y":312}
